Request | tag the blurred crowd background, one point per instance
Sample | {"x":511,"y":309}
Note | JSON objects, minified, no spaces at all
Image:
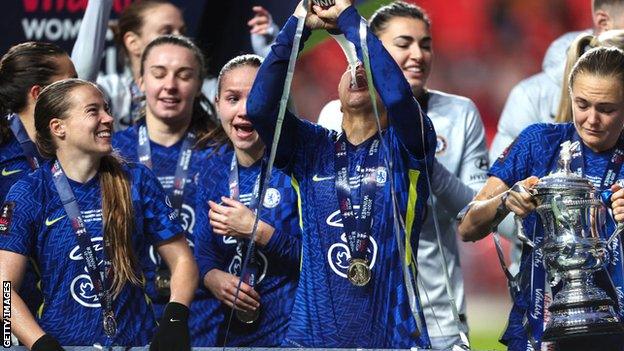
{"x":482,"y":49}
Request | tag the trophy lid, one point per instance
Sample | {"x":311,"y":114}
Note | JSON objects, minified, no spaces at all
{"x":563,"y":179}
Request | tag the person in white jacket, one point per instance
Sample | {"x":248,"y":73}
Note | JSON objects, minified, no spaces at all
{"x":459,"y":170}
{"x":138,"y":24}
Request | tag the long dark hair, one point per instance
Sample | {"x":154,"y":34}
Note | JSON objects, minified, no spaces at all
{"x":203,"y":120}
{"x":117,"y":211}
{"x":22,"y":67}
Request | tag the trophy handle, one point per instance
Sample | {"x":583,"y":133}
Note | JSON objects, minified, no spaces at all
{"x":520,"y":232}
{"x":616,"y":233}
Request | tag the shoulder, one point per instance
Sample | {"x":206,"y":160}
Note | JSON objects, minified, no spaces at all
{"x":10,"y":149}
{"x":443,"y":102}
{"x":30,"y":185}
{"x":125,"y":141}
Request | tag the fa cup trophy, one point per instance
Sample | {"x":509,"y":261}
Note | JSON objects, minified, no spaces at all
{"x":574,"y":221}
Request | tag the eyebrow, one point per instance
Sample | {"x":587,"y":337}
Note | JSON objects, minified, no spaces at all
{"x":411,"y":38}
{"x":94,"y":104}
{"x":184,"y":68}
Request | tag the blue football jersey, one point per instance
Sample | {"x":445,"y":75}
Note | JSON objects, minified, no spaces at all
{"x":536,"y":153}
{"x":329,"y":311}
{"x":164,"y":163}
{"x":278,"y":260}
{"x":14,"y":165}
{"x":39,"y":227}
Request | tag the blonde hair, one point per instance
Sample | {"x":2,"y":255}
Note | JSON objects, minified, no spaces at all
{"x":584,"y":42}
{"x":117,"y":210}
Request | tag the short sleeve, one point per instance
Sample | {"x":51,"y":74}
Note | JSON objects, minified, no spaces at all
{"x":160,"y":219}
{"x":514,"y":163}
{"x":17,"y":219}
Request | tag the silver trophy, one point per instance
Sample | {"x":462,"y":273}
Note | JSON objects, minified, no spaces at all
{"x":574,"y":248}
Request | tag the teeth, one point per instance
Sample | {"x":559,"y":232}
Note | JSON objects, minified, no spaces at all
{"x":414,"y":69}
{"x":103,"y":134}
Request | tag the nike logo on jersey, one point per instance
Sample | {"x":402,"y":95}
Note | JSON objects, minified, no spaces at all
{"x":49,"y":222}
{"x":6,"y":173}
{"x":316,"y":178}
{"x":173,"y":320}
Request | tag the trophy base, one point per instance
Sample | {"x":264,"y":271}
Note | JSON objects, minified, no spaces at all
{"x":582,"y":319}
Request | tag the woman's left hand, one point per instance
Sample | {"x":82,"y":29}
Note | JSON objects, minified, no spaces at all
{"x":231,"y":218}
{"x":617,"y":202}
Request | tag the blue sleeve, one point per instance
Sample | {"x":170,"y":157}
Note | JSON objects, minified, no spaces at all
{"x":18,"y":226}
{"x":285,"y":246}
{"x":514,"y":164}
{"x":403,"y":109}
{"x":160,"y":220}
{"x":264,"y":98}
{"x":206,"y":249}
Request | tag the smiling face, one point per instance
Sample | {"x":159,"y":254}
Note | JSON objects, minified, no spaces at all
{"x":408,"y":40}
{"x":231,"y":107}
{"x":171,"y":81}
{"x":88,"y":125}
{"x":598,"y":110}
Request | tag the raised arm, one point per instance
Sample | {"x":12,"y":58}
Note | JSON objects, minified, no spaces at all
{"x":89,"y":46}
{"x":264,"y":98}
{"x":403,"y":109}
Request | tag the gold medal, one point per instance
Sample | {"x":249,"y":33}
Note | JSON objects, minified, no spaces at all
{"x":359,"y":273}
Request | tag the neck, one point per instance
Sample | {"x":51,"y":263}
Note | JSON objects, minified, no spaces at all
{"x":135,"y":69}
{"x":247,"y":158}
{"x":78,"y":166}
{"x":27,"y":117}
{"x":359,"y":127}
{"x":166,"y":133}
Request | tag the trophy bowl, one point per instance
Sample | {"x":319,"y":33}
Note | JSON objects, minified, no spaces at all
{"x":574,"y":248}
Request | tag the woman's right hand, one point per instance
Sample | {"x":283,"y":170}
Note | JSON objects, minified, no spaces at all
{"x":519,"y":200}
{"x":223,"y":287}
{"x":312,"y":20}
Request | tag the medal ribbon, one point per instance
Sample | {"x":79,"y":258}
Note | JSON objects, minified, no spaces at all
{"x":28,"y":147}
{"x":357,"y":228}
{"x":243,"y":244}
{"x":98,"y":275}
{"x":181,"y":173}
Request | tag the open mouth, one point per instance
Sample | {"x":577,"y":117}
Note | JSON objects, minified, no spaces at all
{"x":243,"y":130}
{"x":358,"y":82}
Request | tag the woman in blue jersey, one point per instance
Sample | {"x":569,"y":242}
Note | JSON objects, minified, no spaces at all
{"x":356,"y":286}
{"x":597,"y":94}
{"x":459,"y":170}
{"x":230,"y":187}
{"x":174,"y":140}
{"x":24,"y":71}
{"x":85,"y":216}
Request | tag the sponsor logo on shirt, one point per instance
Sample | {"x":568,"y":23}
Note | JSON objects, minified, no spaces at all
{"x":236,"y":264}
{"x":6,"y":215}
{"x":272,"y":198}
{"x":6,"y":173}
{"x":49,"y":222}
{"x":81,"y":287}
{"x":339,"y":255}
